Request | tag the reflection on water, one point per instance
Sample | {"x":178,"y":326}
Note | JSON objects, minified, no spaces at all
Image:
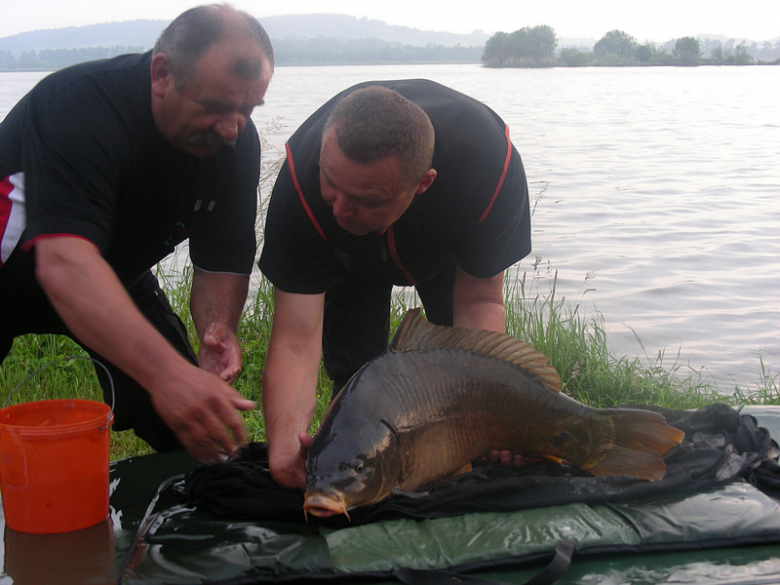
{"x":661,"y":183}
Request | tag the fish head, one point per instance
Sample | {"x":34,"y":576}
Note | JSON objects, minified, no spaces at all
{"x":351,"y":466}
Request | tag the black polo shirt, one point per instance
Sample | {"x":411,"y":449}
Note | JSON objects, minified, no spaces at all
{"x":475,"y":214}
{"x":93,"y":164}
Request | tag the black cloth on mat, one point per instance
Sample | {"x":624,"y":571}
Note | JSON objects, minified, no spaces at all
{"x":720,"y":446}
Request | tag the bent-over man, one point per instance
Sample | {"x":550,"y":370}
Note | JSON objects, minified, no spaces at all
{"x":393,"y":183}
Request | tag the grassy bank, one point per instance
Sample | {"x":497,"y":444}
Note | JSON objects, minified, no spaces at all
{"x":575,"y":343}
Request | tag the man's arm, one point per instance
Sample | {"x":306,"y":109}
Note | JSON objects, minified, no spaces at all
{"x":216,"y":304}
{"x":290,"y":383}
{"x":478,"y":302}
{"x":92,"y":302}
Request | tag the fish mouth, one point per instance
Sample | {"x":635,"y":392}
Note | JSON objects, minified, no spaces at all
{"x":323,"y":505}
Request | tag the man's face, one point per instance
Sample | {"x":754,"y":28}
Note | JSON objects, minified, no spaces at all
{"x":213,"y":107}
{"x":365,"y":197}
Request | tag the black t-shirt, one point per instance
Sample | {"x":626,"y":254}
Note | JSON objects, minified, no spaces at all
{"x":95,"y":165}
{"x":474,"y":215}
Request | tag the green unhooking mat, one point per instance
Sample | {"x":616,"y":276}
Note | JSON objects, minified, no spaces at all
{"x":231,"y":524}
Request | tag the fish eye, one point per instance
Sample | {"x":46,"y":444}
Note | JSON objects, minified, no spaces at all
{"x":359,"y":467}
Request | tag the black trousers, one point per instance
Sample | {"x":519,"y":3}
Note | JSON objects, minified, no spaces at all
{"x":357,"y":319}
{"x":25,"y":309}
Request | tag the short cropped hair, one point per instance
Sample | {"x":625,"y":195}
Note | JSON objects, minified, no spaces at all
{"x":193,"y":32}
{"x":374,"y":122}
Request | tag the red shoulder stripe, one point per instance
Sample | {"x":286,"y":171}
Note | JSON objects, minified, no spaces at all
{"x":501,"y":180}
{"x":297,"y":186}
{"x":394,"y":256}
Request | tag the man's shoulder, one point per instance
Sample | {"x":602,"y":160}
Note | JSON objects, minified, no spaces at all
{"x":121,"y":69}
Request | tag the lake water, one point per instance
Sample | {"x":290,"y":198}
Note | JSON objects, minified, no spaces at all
{"x":656,"y":191}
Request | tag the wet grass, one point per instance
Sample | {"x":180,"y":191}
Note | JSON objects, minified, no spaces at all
{"x":575,"y":343}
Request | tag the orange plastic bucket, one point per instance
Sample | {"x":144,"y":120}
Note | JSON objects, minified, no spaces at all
{"x":54,"y":465}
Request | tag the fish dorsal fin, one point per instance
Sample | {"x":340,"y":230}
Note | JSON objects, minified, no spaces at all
{"x":416,"y":334}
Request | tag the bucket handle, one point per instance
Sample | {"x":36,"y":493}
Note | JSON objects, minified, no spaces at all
{"x":73,"y":357}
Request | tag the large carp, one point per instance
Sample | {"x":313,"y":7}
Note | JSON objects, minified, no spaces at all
{"x":441,"y":397}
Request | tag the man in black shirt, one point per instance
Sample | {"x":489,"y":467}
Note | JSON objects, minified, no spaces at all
{"x":400,"y":183}
{"x":104,"y":168}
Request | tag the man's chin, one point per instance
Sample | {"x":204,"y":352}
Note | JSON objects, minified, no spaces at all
{"x":355,"y":230}
{"x":200,"y":150}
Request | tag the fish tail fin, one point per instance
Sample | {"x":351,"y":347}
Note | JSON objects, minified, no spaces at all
{"x":639,"y":440}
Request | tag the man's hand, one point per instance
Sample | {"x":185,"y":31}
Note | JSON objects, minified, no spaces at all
{"x":220,"y":352}
{"x":289,"y":469}
{"x":202,"y":411}
{"x":199,"y":408}
{"x":216,"y":303}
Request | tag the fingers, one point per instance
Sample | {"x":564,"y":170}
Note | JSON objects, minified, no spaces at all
{"x":220,"y":353}
{"x":210,"y":438}
{"x":203,"y":412}
{"x":506,"y":458}
{"x":306,"y":440}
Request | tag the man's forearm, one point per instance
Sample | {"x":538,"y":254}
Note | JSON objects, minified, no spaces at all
{"x":479,"y":302}
{"x":91,"y":301}
{"x":217,"y":298}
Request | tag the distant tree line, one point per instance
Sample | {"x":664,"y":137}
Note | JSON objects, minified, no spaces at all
{"x":526,"y":47}
{"x":52,"y":59}
{"x":535,"y":47}
{"x":331,"y":51}
{"x":318,"y":51}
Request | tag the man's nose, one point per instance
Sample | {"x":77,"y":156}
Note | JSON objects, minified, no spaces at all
{"x":341,"y":206}
{"x":230,"y":126}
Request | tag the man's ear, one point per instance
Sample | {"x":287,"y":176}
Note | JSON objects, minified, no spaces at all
{"x":426,"y":181}
{"x":162,"y":76}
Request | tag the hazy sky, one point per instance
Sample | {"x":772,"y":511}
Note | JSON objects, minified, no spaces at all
{"x":653,"y":20}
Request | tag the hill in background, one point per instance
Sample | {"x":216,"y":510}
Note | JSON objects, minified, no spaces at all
{"x":143,"y":33}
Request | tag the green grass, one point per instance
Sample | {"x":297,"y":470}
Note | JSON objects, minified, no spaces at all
{"x":576,"y":345}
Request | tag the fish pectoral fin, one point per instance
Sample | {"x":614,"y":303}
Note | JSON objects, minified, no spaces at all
{"x":415,"y":495}
{"x":468,"y":468}
{"x":552,"y":458}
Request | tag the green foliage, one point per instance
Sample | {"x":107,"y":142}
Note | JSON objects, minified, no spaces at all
{"x":526,"y":47}
{"x":535,"y":47}
{"x":739,"y":55}
{"x":644,"y":53}
{"x":688,"y":51}
{"x":571,"y":57}
{"x":616,"y":43}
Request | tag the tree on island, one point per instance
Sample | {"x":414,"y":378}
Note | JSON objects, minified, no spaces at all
{"x":526,"y":47}
{"x":616,"y":44}
{"x":688,"y":51}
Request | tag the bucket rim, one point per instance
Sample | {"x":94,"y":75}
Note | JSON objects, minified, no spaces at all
{"x":103,"y":416}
